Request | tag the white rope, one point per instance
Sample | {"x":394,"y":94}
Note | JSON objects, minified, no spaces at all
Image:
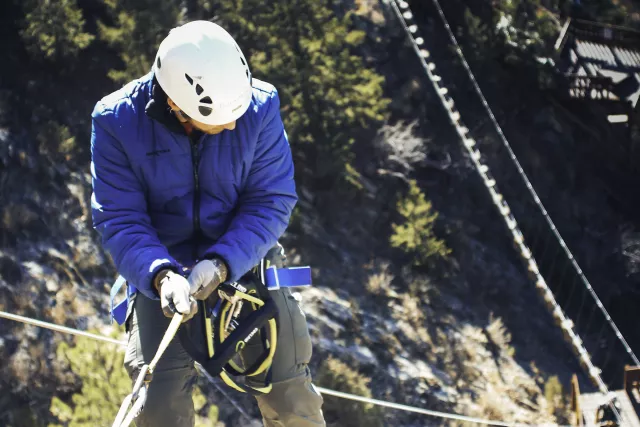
{"x":406,"y":408}
{"x":58,"y":328}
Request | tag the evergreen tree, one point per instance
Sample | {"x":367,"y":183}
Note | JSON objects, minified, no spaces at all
{"x":140,"y":26}
{"x":329,"y":98}
{"x":51,"y":78}
{"x":104,"y":384}
{"x":416,"y":234}
{"x":54,"y":29}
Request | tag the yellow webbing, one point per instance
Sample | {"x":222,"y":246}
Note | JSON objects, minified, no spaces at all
{"x":255,"y":303}
{"x":209,"y":331}
{"x":272,"y":349}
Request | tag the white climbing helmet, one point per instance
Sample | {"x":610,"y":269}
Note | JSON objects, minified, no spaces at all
{"x":202,"y":69}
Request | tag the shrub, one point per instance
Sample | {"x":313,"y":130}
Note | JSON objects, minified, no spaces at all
{"x":104,"y":384}
{"x":200,"y":406}
{"x":499,"y":335}
{"x":558,"y":405}
{"x":339,"y":376}
{"x":416,"y":234}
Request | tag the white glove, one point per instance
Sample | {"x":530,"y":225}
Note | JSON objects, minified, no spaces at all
{"x":206,"y":276}
{"x":175,"y":297}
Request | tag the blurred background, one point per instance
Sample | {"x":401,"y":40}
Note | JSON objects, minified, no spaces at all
{"x":419,"y":296}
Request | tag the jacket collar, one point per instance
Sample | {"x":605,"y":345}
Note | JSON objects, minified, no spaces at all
{"x":158,"y":110}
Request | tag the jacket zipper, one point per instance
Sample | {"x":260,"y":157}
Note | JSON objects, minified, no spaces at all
{"x":195,"y":159}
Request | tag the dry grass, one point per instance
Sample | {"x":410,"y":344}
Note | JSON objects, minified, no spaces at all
{"x":370,"y":9}
{"x":379,"y":282}
{"x":499,"y":335}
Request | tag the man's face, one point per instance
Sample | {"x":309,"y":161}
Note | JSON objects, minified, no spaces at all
{"x":202,"y":127}
{"x":212,"y":129}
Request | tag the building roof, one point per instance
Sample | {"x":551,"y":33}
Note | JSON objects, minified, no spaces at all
{"x":608,"y":53}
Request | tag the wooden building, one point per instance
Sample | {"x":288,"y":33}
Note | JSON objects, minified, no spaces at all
{"x":598,"y":89}
{"x":601,"y":63}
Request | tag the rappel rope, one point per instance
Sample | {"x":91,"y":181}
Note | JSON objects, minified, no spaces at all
{"x":322,"y":390}
{"x":498,"y":199}
{"x":141,"y":387}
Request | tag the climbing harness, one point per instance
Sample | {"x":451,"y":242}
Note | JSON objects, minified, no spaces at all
{"x":237,"y":319}
{"x":140,"y":388}
{"x":239,"y":314}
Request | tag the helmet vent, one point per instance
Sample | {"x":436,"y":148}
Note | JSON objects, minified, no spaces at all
{"x":205,"y":111}
{"x":158,"y":63}
{"x":242,"y":60}
{"x":199,"y":89}
{"x":189,"y":79}
{"x":206,"y":100}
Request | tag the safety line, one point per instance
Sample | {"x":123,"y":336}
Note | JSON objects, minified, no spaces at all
{"x":529,"y":186}
{"x":59,"y":328}
{"x":491,"y":185}
{"x":406,"y":408}
{"x":417,"y":410}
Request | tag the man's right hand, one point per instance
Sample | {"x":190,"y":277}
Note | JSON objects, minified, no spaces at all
{"x":174,"y":295}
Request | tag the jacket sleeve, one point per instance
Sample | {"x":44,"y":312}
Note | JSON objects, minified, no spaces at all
{"x":266,"y":202}
{"x":119,"y":210}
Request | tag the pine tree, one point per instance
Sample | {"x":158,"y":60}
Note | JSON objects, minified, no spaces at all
{"x":54,"y":29}
{"x":329,"y":98}
{"x":104,"y":384}
{"x":337,"y":375}
{"x":140,"y":26}
{"x":416,"y":234}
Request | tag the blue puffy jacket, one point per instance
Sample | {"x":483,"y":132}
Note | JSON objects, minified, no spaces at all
{"x":162,"y":199}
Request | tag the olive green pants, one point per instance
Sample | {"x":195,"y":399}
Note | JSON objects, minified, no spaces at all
{"x":293,"y":401}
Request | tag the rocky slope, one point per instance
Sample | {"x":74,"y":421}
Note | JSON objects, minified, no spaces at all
{"x":469,"y":336}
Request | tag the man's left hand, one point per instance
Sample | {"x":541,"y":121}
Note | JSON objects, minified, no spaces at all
{"x":206,"y":276}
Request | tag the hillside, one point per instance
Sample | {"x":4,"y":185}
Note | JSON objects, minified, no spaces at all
{"x":454,"y":324}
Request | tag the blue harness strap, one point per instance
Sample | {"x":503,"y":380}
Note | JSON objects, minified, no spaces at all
{"x":292,"y":277}
{"x":275,"y":278}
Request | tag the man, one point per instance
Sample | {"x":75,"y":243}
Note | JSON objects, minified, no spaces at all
{"x":192,"y":169}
